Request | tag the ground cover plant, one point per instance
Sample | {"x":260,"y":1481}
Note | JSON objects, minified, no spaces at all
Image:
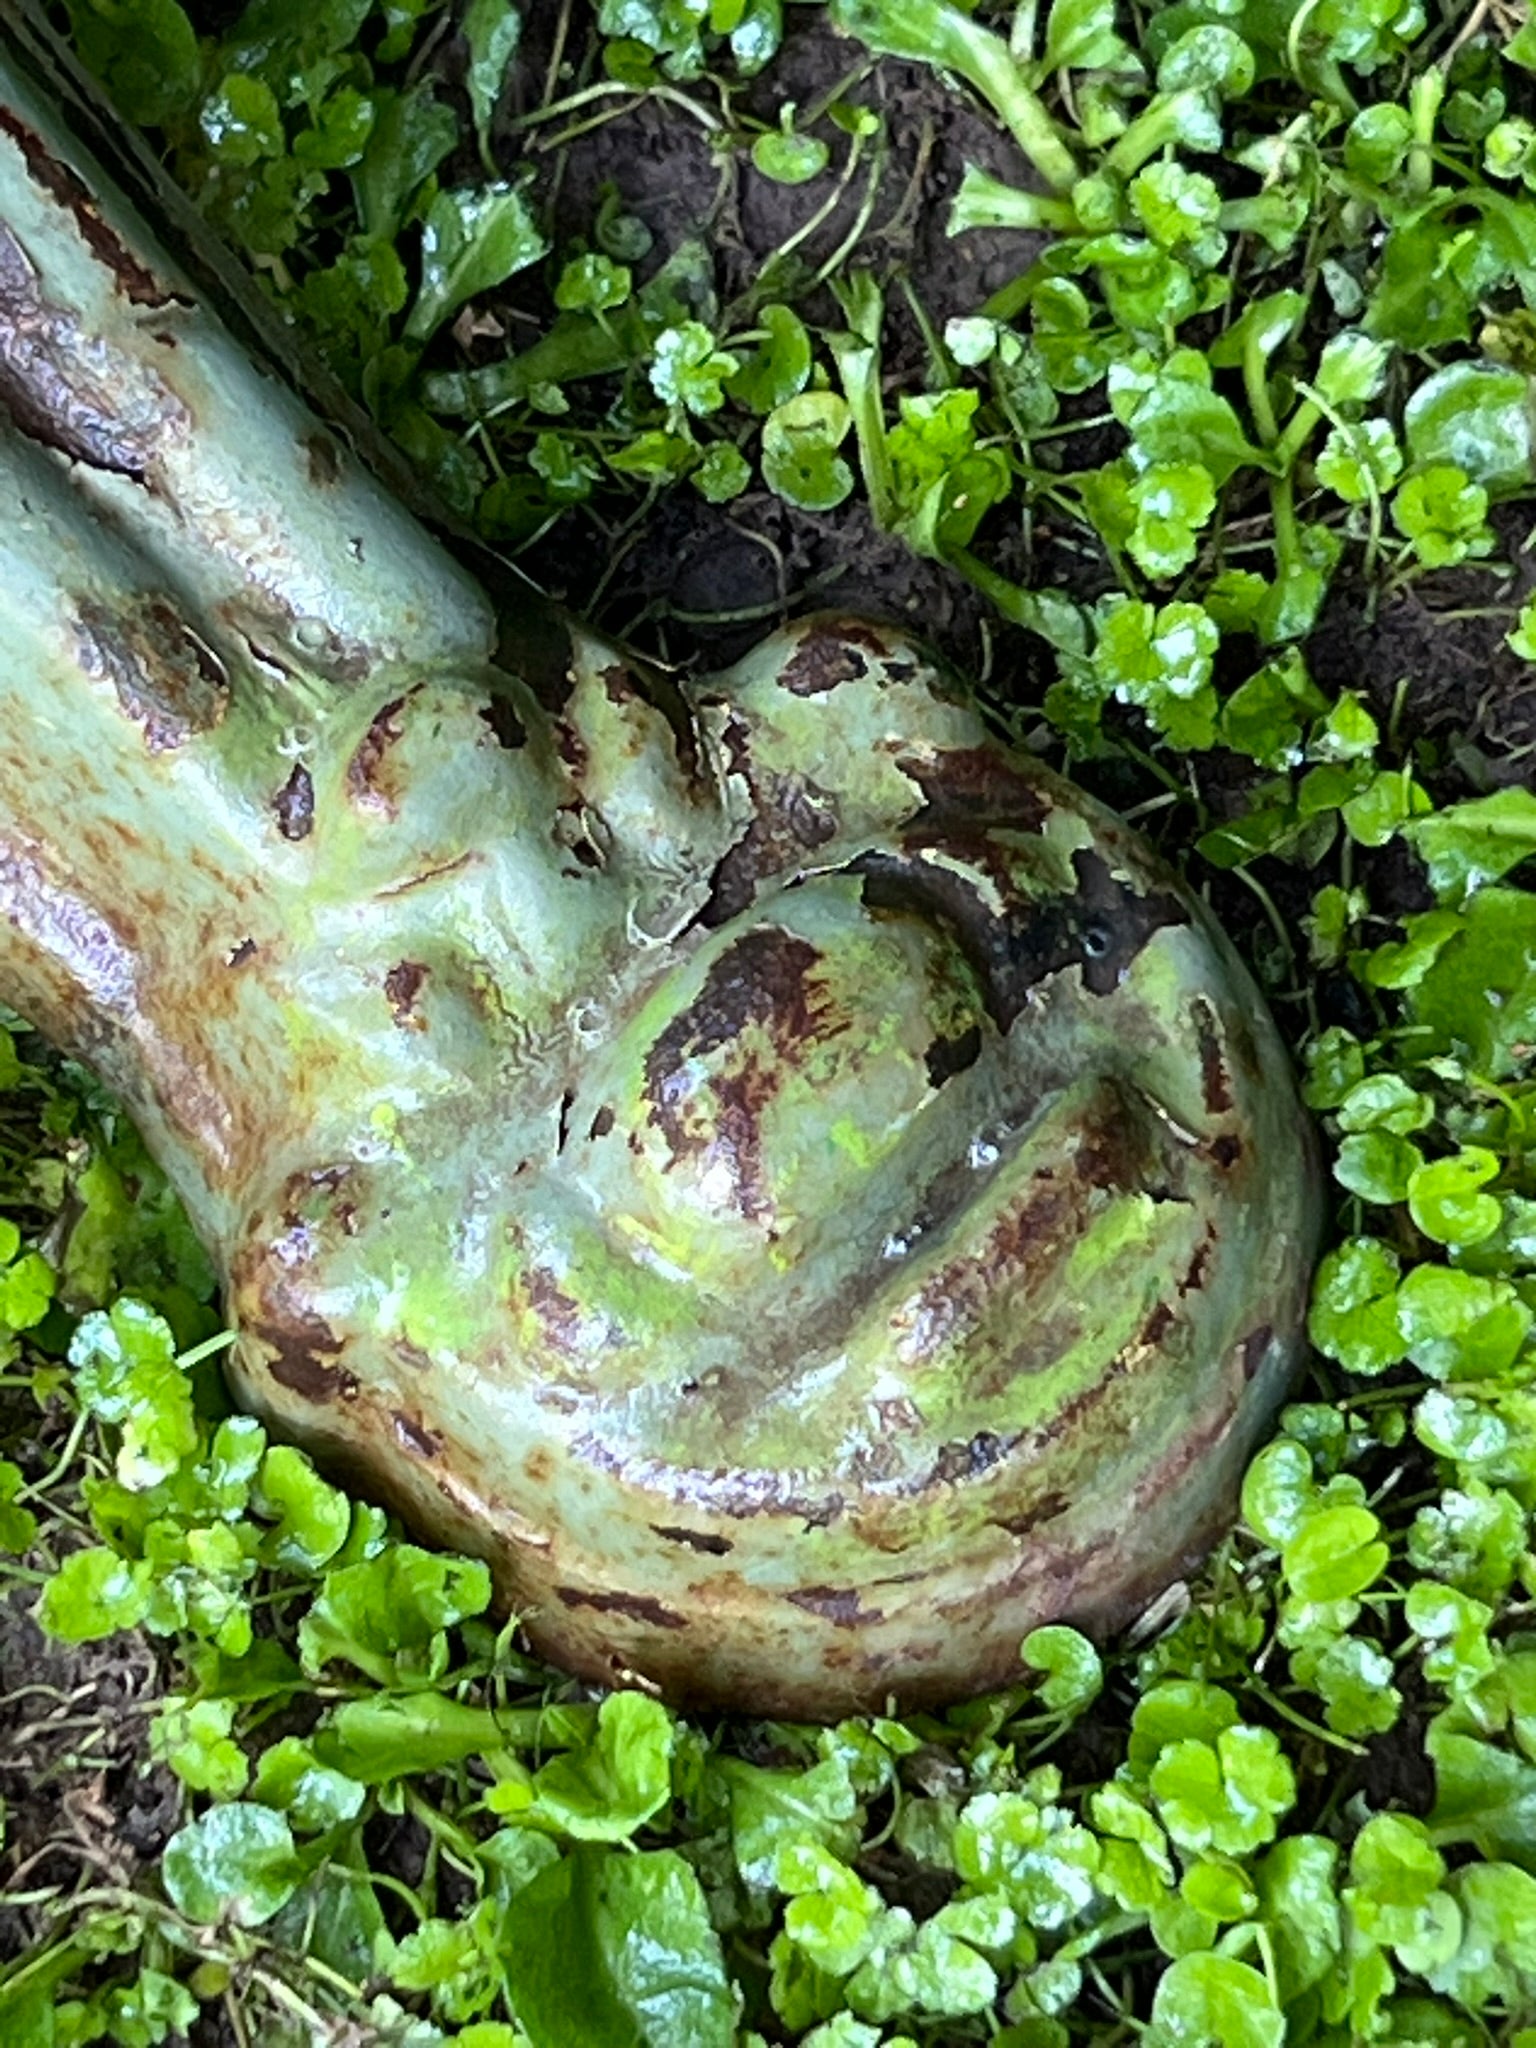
{"x":1172,"y":365}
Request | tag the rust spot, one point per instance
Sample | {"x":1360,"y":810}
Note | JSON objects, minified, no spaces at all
{"x":303,"y":1345}
{"x":793,"y":817}
{"x":501,"y":716}
{"x":413,"y":1436}
{"x":972,"y":788}
{"x":402,"y":985}
{"x":1256,"y":1349}
{"x":947,"y":1057}
{"x":367,"y":780}
{"x":824,"y":659}
{"x":618,"y":685}
{"x":295,"y":804}
{"x":322,"y":460}
{"x":1226,"y":1150}
{"x":633,"y":1606}
{"x":111,"y":416}
{"x":695,"y":1539}
{"x":761,"y":988}
{"x":1215,"y":1082}
{"x":539,"y":1466}
{"x":129,"y":276}
{"x":167,"y":681}
{"x":602,"y":1123}
{"x":408,"y":1353}
{"x":559,"y":1314}
{"x":837,"y":1604}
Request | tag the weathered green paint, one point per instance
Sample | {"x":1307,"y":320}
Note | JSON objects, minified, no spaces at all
{"x":797,"y":1186}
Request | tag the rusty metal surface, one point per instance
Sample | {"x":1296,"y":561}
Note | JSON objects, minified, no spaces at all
{"x":798,"y":1187}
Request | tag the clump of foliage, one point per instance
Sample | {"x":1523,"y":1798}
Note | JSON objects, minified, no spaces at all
{"x":1290,"y":277}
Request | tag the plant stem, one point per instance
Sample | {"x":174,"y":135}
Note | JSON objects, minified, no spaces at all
{"x":986,"y":202}
{"x":995,"y":75}
{"x":1155,"y":127}
{"x":1256,"y":385}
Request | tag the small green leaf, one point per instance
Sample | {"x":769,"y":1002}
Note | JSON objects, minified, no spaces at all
{"x":1359,"y":461}
{"x":388,"y":1615}
{"x":788,"y":158}
{"x":656,"y":456}
{"x":1443,"y":515}
{"x":193,"y":1737}
{"x":1474,"y":418}
{"x":18,"y":1525}
{"x":1351,"y":369}
{"x":1385,"y":1102}
{"x":1228,"y":1795}
{"x":1377,"y":1166}
{"x":471,"y":241}
{"x":1214,"y":1998}
{"x":617,"y":1951}
{"x":236,"y":1863}
{"x":592,"y":283}
{"x":412,"y":133}
{"x":1081,"y":35}
{"x":312,"y":1516}
{"x":800,"y":442}
{"x":1377,"y":142}
{"x":315,"y":1797}
{"x":241,"y":122}
{"x":687,"y":368}
{"x":779,"y":367}
{"x":93,"y":1593}
{"x":492,"y":29}
{"x":613,"y":1784}
{"x":1446,"y":1201}
{"x":1279,"y":1490}
{"x":1074,"y":1675}
{"x":126,"y":1374}
{"x":1470,"y":844}
{"x":723,"y":474}
{"x":1336,"y":1554}
{"x":146,"y":55}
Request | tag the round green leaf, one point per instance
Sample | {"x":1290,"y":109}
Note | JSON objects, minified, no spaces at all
{"x":234,"y":1863}
{"x":1446,"y":1201}
{"x":789,"y":159}
{"x":1335,"y":1554}
{"x":1476,"y":418}
{"x":1214,"y":1998}
{"x":1377,"y":1166}
{"x":1074,"y":1673}
{"x":779,"y":368}
{"x":800,"y":459}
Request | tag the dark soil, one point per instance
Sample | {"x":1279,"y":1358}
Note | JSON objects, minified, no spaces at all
{"x":698,"y":583}
{"x":80,"y":1796}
